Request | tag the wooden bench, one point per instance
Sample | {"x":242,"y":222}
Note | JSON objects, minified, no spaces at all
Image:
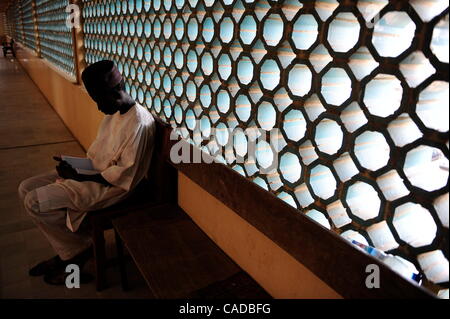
{"x":161,"y":187}
{"x":177,"y":260}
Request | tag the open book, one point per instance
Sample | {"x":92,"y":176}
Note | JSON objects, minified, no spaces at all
{"x":80,"y":164}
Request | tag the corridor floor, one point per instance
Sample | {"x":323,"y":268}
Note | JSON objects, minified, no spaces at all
{"x":31,"y":133}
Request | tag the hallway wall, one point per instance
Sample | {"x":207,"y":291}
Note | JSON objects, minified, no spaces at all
{"x":70,"y":100}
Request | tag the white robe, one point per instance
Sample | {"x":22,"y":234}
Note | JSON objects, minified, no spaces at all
{"x":122,"y":152}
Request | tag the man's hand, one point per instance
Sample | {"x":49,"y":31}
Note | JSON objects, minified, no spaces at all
{"x":66,"y":171}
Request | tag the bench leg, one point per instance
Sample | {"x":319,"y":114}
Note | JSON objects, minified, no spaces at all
{"x":98,"y":239}
{"x":122,"y":265}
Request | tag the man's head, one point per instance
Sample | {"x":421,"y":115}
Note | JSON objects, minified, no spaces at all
{"x":105,"y":85}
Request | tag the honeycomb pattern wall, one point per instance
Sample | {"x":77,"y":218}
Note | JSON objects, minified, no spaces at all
{"x":29,"y":38}
{"x":358,"y":91}
{"x":43,"y":21}
{"x":56,"y":42}
{"x":354,"y":95}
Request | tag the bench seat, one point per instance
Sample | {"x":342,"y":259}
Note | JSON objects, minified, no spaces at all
{"x":178,"y":260}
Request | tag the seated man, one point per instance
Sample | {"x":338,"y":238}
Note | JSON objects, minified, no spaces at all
{"x":58,"y":201}
{"x":8,"y":47}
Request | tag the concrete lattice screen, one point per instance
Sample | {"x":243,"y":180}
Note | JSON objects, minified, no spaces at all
{"x":44,"y":21}
{"x":356,"y":91}
{"x":56,"y":41}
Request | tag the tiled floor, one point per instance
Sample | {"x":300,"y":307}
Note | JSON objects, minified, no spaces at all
{"x":30,"y":134}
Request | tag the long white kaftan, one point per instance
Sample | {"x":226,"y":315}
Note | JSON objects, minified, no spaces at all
{"x":122,"y":152}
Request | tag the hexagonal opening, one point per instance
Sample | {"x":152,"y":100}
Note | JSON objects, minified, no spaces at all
{"x":393,"y":34}
{"x":369,"y":8}
{"x":416,"y":68}
{"x":178,"y":87}
{"x":383,"y":95}
{"x":258,"y":51}
{"x":207,"y":64}
{"x":226,"y":30}
{"x":320,"y":58}
{"x":432,"y":107}
{"x":167,"y":107}
{"x":313,"y":107}
{"x":208,"y":29}
{"x":318,"y":217}
{"x":362,"y":63}
{"x":435,"y":266}
{"x":167,"y":29}
{"x":322,"y":182}
{"x":191,"y":91}
{"x":261,"y":183}
{"x":167,"y":56}
{"x":290,"y":167}
{"x":205,"y":96}
{"x":190,"y":120}
{"x":325,"y":8}
{"x":221,"y":134}
{"x":248,"y":29}
{"x":345,"y":168}
{"x":294,"y":125}
{"x":178,"y":57}
{"x":274,"y":180}
{"x":223,"y":101}
{"x":224,"y":67}
{"x":336,"y":86}
{"x":328,"y":136}
{"x":303,"y":195}
{"x":299,"y":80}
{"x":305,"y":31}
{"x":414,"y":224}
{"x":290,"y":8}
{"x":363,"y":200}
{"x":240,"y":142}
{"x":243,"y":107}
{"x":427,"y":10}
{"x":308,"y":152}
{"x":403,"y":130}
{"x":192,"y":61}
{"x":205,"y":126}
{"x":282,"y":99}
{"x":273,"y":30}
{"x":286,"y":197}
{"x":245,"y":70}
{"x":167,"y":83}
{"x":179,"y":29}
{"x":439,"y":41}
{"x":441,"y":206}
{"x":338,"y":214}
{"x":372,"y":150}
{"x":285,"y":54}
{"x":270,"y":74}
{"x":267,"y":116}
{"x":353,"y":117}
{"x":156,"y":28}
{"x":343,"y":32}
{"x":381,"y":236}
{"x":426,"y":167}
{"x":192,"y":29}
{"x":392,"y":185}
{"x":264,"y":154}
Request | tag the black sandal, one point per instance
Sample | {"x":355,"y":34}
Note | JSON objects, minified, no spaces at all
{"x":47,"y":266}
